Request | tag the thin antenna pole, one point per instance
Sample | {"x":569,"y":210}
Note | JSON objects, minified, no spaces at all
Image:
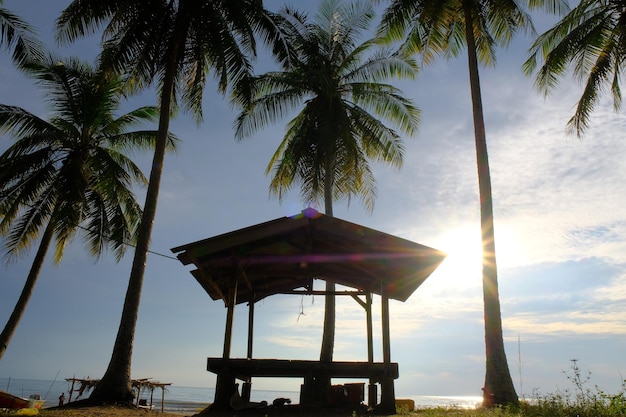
{"x":55,"y":380}
{"x":519,"y":364}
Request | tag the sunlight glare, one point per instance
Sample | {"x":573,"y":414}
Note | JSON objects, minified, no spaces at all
{"x":462,"y":268}
{"x":463,"y":265}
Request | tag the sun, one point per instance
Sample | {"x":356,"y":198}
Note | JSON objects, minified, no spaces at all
{"x":463,"y":264}
{"x":462,"y":267}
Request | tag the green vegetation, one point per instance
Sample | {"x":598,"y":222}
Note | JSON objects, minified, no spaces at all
{"x":580,"y":399}
{"x":589,"y":403}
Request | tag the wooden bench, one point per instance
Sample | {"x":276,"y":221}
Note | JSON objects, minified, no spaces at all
{"x":245,"y":369}
{"x":311,"y":371}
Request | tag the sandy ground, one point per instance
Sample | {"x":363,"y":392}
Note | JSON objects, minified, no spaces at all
{"x":109,"y":411}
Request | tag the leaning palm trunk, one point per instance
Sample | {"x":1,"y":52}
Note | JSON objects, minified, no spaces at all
{"x":498,"y":388}
{"x":115,"y":385}
{"x":27,"y":291}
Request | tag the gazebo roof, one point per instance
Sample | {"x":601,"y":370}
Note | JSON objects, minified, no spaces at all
{"x":286,"y":254}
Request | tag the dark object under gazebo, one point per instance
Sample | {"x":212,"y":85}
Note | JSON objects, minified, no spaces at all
{"x":284,"y":256}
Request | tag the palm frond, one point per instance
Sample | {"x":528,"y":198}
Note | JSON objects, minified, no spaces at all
{"x":277,"y":97}
{"x":17,"y":35}
{"x":22,"y":123}
{"x":590,"y":41}
{"x":70,"y":172}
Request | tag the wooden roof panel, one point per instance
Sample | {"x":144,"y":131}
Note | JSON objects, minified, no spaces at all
{"x":288,"y":253}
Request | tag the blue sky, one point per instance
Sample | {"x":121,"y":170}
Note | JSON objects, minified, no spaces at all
{"x":560,"y":222}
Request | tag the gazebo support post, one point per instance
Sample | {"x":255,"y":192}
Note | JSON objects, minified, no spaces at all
{"x":230,"y":316}
{"x":387,"y":392}
{"x":307,"y":392}
{"x":246,"y":387}
{"x":250,"y":327}
{"x":225,"y":385}
{"x":372,"y":391}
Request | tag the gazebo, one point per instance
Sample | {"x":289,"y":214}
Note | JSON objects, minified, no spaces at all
{"x":284,"y":256}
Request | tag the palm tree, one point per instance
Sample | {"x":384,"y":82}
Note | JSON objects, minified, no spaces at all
{"x":21,"y":38}
{"x":592,"y":36}
{"x":174,"y":44}
{"x":69,"y":173}
{"x":434,"y":27}
{"x":338,"y":85}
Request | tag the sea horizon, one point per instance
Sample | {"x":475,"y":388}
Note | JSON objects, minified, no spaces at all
{"x":190,"y":399}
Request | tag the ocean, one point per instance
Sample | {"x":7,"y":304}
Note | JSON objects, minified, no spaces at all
{"x":190,"y":400}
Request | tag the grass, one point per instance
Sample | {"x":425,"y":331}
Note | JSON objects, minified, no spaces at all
{"x":580,"y":400}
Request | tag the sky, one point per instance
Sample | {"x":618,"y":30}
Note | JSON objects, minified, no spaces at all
{"x":560,"y":227}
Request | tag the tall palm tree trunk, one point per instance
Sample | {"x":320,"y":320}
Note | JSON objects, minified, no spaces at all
{"x":328,"y":334}
{"x":498,"y":388}
{"x":27,"y":291}
{"x":115,"y":385}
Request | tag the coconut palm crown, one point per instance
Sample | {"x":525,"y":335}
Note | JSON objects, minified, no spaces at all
{"x":337,"y":82}
{"x":590,"y":40}
{"x":174,"y":46}
{"x":435,"y":28}
{"x":70,"y":174}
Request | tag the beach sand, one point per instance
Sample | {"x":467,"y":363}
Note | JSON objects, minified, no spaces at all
{"x":109,"y":411}
{"x":100,"y":411}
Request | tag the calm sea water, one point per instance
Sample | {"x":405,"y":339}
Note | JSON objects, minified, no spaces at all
{"x":189,"y":400}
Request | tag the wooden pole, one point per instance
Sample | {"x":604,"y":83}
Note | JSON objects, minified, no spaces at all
{"x":370,"y":331}
{"x":387,"y":394}
{"x":372,"y":392}
{"x":386,"y":332}
{"x":230,"y":315}
{"x":71,"y":389}
{"x":246,"y":388}
{"x":225,"y":383}
{"x":250,"y":327}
